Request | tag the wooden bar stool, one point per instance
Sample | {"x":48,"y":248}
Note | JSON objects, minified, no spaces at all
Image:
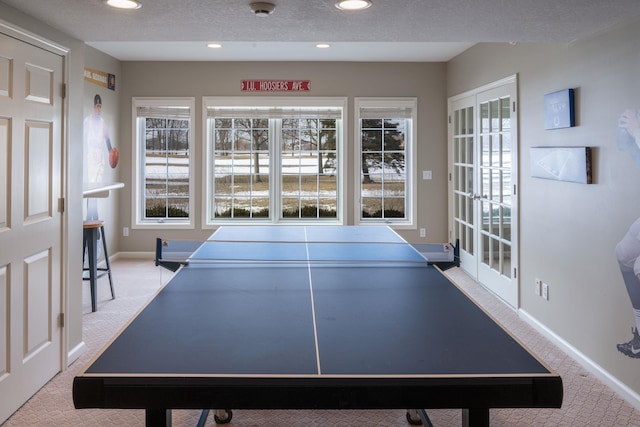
{"x":90,"y":236}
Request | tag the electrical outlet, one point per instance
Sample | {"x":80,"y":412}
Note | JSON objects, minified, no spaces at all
{"x":545,"y":291}
{"x":423,"y":232}
{"x":125,"y":231}
{"x":538,"y":287}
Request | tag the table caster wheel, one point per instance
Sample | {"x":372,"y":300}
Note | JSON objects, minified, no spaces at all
{"x":413,"y":417}
{"x":223,"y":416}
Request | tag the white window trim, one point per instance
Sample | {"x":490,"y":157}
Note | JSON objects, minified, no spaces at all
{"x":280,"y":101}
{"x":411,"y":151}
{"x":138,"y":164}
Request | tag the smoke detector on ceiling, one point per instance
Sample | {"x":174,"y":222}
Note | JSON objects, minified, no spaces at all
{"x":262,"y":9}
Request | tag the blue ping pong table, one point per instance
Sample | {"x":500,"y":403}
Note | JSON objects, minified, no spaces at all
{"x":312,"y":317}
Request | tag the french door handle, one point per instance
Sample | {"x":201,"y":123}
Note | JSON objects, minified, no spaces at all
{"x":474,"y":196}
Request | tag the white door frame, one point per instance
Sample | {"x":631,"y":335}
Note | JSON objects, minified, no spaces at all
{"x":20,"y":34}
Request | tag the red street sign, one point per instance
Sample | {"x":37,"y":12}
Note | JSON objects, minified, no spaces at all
{"x":275,"y":85}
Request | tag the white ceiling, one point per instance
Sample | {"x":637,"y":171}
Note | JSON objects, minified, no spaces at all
{"x":390,"y":30}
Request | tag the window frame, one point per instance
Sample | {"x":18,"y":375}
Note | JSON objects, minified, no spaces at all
{"x":411,"y":154}
{"x":209,"y":222}
{"x":138,"y":163}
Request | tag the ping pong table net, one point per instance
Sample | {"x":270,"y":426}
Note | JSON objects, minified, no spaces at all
{"x":172,"y":254}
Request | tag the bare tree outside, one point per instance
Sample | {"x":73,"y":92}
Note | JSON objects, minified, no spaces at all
{"x":307,"y":172}
{"x":383,"y":167}
{"x":166,"y":167}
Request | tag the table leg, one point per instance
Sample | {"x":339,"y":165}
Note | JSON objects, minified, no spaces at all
{"x":158,"y":417}
{"x":418,"y":417}
{"x":475,"y":417}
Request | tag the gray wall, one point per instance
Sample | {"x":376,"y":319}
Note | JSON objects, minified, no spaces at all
{"x":568,"y":232}
{"x":422,"y":80}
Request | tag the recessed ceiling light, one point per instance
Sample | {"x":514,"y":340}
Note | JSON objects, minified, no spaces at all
{"x":353,"y":4}
{"x":214,"y":45}
{"x":124,"y":4}
{"x":323,"y":45}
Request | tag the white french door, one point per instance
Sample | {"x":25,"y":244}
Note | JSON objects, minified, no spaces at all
{"x":463,"y":180}
{"x":483,"y":141}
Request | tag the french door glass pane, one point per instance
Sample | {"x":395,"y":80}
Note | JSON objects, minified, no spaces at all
{"x":486,"y":150}
{"x":506,"y":223}
{"x":506,"y":259}
{"x":494,"y":112}
{"x":495,"y":254}
{"x":506,"y":187}
{"x":469,"y":214}
{"x":496,"y":179}
{"x":484,"y":117}
{"x":469,"y":179}
{"x":496,"y":151}
{"x":486,"y":250}
{"x":506,"y":151}
{"x":464,"y":150}
{"x":485,"y":188}
{"x":486,"y":216}
{"x":505,"y":114}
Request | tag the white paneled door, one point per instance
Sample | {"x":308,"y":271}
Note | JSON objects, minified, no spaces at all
{"x":483,"y":164}
{"x":31,"y":85}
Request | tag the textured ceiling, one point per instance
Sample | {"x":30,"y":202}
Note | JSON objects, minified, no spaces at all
{"x":390,"y":30}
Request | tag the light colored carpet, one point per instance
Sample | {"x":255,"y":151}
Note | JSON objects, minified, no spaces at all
{"x":587,"y":402}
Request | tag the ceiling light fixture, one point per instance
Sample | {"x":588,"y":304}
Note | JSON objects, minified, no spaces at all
{"x":262,"y":9}
{"x":323,"y":45}
{"x":214,"y":45}
{"x":124,"y":4}
{"x":353,"y":4}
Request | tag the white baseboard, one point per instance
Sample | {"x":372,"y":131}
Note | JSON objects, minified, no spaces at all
{"x":75,"y":353}
{"x":598,"y":371}
{"x":133,"y":255}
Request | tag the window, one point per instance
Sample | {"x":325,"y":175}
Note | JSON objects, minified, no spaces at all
{"x":385,"y":134}
{"x":274,"y":159}
{"x":164,"y":178}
